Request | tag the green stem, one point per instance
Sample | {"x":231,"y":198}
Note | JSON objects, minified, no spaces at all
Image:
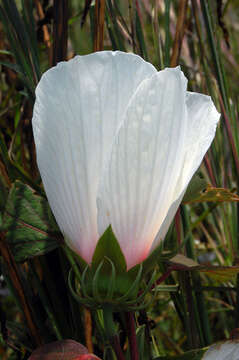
{"x":167,"y":33}
{"x":214,"y":51}
{"x":198,"y":307}
{"x":72,"y":261}
{"x":111,"y":331}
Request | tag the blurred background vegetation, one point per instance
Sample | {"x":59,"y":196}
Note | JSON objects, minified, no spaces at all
{"x":195,"y":309}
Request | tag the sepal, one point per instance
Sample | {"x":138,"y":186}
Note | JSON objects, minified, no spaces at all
{"x":107,"y":281}
{"x":108,"y":246}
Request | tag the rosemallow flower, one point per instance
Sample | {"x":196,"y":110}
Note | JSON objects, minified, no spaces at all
{"x":228,"y":350}
{"x":117,"y":143}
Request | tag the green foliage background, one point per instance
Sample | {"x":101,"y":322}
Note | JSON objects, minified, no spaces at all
{"x":194,"y":309}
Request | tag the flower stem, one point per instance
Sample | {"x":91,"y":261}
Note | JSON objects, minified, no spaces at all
{"x":117,"y":348}
{"x":111,"y":331}
{"x":134,"y":352}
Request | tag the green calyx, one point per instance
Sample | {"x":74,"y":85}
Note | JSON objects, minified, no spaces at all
{"x":107,"y":281}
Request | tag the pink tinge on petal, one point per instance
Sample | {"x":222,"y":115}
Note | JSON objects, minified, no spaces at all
{"x":86,"y":252}
{"x":132,"y":260}
{"x":134,"y":256}
{"x":147,"y":155}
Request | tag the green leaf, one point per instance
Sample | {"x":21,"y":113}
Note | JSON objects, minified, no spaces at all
{"x":189,"y":355}
{"x":140,"y":37}
{"x":29,"y":224}
{"x":217,"y":273}
{"x":143,"y":344}
{"x":221,"y":273}
{"x":22,"y":44}
{"x":158,"y":254}
{"x":11,"y":66}
{"x":5,"y":52}
{"x":3,"y":195}
{"x":74,"y":259}
{"x":108,"y":247}
{"x":113,"y":15}
{"x":167,"y":33}
{"x":212,"y":194}
{"x":195,"y":188}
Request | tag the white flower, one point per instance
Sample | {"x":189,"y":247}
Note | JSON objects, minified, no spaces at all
{"x":117,"y":143}
{"x":228,"y":350}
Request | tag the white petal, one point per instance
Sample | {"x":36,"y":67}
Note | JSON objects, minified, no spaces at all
{"x":202,"y":121}
{"x":79,"y":105}
{"x":139,"y":182}
{"x":167,"y":221}
{"x":203,"y":118}
{"x":228,"y":350}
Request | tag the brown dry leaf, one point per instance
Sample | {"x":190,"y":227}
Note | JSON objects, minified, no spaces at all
{"x":180,"y":259}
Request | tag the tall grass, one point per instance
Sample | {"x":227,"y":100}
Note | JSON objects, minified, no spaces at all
{"x":194,"y":309}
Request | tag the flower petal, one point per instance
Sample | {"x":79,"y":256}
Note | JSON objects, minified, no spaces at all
{"x":203,"y":118}
{"x":167,"y":222}
{"x":228,"y":350}
{"x":202,"y":121}
{"x":147,"y":156}
{"x":79,"y":106}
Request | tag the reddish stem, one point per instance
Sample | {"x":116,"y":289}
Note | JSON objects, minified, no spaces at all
{"x":165,"y":275}
{"x":171,"y":268}
{"x":178,"y":226}
{"x":134,"y":352}
{"x":117,"y":348}
{"x":209,"y":170}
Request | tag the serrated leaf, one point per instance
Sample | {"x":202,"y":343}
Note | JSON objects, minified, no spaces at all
{"x":29,"y":224}
{"x":62,"y":350}
{"x":212,"y":194}
{"x":218,"y":273}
